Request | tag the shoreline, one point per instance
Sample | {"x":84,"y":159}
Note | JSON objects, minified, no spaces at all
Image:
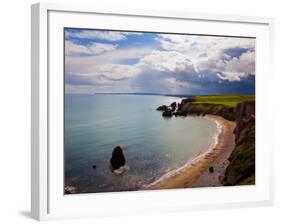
{"x":195,"y":173}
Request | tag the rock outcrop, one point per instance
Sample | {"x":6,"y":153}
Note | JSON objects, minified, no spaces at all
{"x":168,"y":110}
{"x":173,"y":106}
{"x":180,"y":113}
{"x":167,"y":113}
{"x":117,"y":160}
{"x":162,"y":108}
{"x":188,"y":107}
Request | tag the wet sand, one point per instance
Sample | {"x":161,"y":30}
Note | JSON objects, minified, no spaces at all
{"x":196,"y":172}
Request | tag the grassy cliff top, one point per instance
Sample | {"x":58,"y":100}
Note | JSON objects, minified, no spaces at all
{"x":228,"y":100}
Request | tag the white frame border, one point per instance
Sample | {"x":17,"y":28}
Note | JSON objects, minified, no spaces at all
{"x":40,"y":89}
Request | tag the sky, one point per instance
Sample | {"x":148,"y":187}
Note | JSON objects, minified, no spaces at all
{"x":103,"y":61}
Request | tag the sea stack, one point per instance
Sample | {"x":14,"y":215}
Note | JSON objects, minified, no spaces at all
{"x":117,"y":159}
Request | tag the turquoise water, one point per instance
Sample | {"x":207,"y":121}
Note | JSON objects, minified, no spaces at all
{"x":152,"y":145}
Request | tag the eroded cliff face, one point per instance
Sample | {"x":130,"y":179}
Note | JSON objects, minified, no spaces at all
{"x":241,"y":169}
{"x":244,"y":116}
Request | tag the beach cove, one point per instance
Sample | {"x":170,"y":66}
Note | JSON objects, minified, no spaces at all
{"x":196,"y":173}
{"x":167,"y":141}
{"x":232,"y":159}
{"x":154,"y":146}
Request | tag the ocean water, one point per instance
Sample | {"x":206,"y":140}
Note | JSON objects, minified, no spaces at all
{"x":152,"y":145}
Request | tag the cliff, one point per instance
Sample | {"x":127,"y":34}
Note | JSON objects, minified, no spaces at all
{"x":241,"y":170}
{"x":227,"y":112}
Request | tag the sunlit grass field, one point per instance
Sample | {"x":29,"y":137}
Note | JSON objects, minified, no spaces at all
{"x":227,"y":100}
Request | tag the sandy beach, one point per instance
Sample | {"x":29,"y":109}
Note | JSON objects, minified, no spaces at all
{"x":196,"y":172}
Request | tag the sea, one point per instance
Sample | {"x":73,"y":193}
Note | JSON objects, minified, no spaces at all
{"x":153,"y":146}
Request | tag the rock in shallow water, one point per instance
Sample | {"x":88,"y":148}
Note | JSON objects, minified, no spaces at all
{"x":162,"y":108}
{"x":117,"y":159}
{"x":167,"y":113}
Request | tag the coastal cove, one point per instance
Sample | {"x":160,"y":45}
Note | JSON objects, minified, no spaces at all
{"x":186,"y":142}
{"x":232,"y":160}
{"x":196,"y":172}
{"x":153,"y":146}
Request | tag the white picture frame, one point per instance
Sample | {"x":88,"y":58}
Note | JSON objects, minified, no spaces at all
{"x":47,"y":198}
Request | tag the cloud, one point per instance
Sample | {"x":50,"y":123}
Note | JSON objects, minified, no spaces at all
{"x":178,"y":85}
{"x":132,"y":33}
{"x":163,"y":63}
{"x":202,"y":44}
{"x":93,"y":49}
{"x":89,"y":64}
{"x":99,"y":85}
{"x":104,"y":74}
{"x":117,"y":71}
{"x":236,"y":68}
{"x":99,"y":35}
{"x":166,"y":61}
{"x":231,"y":58}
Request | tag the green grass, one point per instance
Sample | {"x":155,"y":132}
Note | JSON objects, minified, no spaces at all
{"x":227,"y":100}
{"x":222,"y":105}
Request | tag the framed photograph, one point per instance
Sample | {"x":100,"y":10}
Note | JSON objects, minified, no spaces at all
{"x":148,"y":111}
